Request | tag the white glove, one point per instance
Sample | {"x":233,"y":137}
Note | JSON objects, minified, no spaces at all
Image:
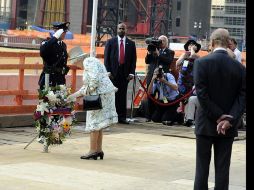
{"x":58,"y":33}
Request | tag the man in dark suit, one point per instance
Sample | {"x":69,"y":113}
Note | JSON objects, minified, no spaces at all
{"x":54,"y":54}
{"x":120,"y":61}
{"x":162,"y":56}
{"x":220,"y":87}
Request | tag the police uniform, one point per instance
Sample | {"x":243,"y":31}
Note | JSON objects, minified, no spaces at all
{"x":54,"y":55}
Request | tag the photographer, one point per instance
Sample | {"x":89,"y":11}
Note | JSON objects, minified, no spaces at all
{"x":163,"y":87}
{"x":54,"y":54}
{"x":185,"y":66}
{"x":158,"y":53}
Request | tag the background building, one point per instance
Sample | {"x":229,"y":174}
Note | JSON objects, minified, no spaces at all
{"x":191,"y":17}
{"x":230,"y":14}
{"x":5,"y":14}
{"x":143,"y":17}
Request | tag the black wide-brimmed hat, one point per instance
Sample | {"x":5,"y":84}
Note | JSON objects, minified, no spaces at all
{"x":61,"y":25}
{"x":186,"y":45}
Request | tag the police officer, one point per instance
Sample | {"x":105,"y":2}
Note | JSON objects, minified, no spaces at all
{"x":54,"y":54}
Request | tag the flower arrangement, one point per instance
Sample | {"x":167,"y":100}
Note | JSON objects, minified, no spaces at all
{"x":54,"y":115}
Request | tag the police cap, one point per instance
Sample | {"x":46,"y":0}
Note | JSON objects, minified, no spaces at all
{"x":61,"y":25}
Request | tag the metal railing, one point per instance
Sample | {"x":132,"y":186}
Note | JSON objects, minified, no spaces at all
{"x":20,"y":93}
{"x":19,"y":42}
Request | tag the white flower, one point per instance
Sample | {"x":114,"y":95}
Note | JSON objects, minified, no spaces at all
{"x":42,"y":107}
{"x":66,"y":120}
{"x":49,"y":120}
{"x":52,"y":97}
{"x":41,"y":139}
{"x":62,"y":87}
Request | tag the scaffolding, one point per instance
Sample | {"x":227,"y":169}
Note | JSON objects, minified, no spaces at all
{"x":160,"y":21}
{"x":54,"y":11}
{"x":147,"y":18}
{"x":110,"y":13}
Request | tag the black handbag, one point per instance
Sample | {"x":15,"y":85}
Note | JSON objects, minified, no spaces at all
{"x":92,"y":102}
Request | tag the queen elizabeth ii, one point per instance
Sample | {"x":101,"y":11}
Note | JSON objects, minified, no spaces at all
{"x":96,"y":81}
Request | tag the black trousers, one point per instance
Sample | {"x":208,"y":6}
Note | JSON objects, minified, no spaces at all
{"x":222,"y":155}
{"x":121,"y":82}
{"x":158,"y":113}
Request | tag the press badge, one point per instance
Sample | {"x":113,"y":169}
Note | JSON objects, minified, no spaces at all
{"x":185,"y":63}
{"x":165,"y":100}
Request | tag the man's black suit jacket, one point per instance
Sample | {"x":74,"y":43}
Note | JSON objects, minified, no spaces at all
{"x":165,"y":59}
{"x":111,"y":56}
{"x":220,"y":83}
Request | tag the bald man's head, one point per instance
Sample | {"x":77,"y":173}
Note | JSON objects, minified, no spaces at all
{"x":219,"y":38}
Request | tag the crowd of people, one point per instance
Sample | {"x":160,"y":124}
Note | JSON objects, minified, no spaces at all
{"x":215,"y":101}
{"x":164,"y":89}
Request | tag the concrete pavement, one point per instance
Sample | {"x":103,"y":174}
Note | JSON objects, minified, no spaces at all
{"x":140,"y":156}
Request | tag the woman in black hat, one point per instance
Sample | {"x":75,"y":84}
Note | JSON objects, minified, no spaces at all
{"x":185,"y":66}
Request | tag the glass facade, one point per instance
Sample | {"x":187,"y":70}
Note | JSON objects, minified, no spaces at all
{"x":178,"y":22}
{"x":230,"y":14}
{"x":5,"y":14}
{"x":235,"y":10}
{"x":235,"y":21}
{"x":236,"y":1}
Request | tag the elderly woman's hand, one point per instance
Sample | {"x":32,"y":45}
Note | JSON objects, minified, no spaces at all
{"x":110,"y":75}
{"x":91,"y":89}
{"x":71,"y":98}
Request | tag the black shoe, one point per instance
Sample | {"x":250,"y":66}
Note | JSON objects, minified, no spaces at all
{"x":100,"y":154}
{"x":169,"y":123}
{"x":93,"y":155}
{"x":123,"y":122}
{"x":188,"y":123}
{"x":148,"y":120}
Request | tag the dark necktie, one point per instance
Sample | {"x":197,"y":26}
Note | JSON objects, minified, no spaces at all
{"x":121,"y":60}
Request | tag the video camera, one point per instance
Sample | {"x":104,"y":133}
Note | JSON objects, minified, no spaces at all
{"x":153,"y":43}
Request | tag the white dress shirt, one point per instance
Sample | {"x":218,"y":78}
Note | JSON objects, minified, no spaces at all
{"x":238,"y":55}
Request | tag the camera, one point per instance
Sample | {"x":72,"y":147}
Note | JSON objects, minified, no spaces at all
{"x":160,"y":72}
{"x":153,"y":43}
